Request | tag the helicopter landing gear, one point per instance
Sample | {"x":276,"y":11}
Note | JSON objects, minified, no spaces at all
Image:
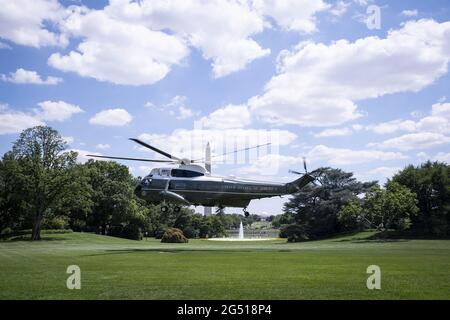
{"x":164,"y":209}
{"x":220,"y":210}
{"x":176,"y":209}
{"x":246,"y":213}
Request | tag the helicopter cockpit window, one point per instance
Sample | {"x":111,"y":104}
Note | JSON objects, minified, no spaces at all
{"x":147,"y":181}
{"x":165,"y":172}
{"x":180,"y":173}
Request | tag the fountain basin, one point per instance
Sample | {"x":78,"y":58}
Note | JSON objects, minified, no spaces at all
{"x":241,"y":239}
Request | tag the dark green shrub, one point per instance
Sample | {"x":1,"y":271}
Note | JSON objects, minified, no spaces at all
{"x":132,"y":231}
{"x":174,"y":235}
{"x":6,"y":231}
{"x":54,"y":223}
{"x":190,"y":232}
{"x":294,"y":233}
{"x":129,"y":231}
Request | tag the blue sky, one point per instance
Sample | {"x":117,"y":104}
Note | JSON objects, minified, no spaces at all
{"x":312,"y":77}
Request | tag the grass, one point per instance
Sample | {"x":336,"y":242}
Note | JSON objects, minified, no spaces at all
{"x":113,"y":268}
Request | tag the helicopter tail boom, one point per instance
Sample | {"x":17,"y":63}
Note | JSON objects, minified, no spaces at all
{"x":300,"y":183}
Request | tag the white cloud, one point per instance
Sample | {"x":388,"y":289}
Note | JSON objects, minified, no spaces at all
{"x":296,"y":15}
{"x":12,"y":121}
{"x":438,"y":121}
{"x":427,"y":132}
{"x":318,"y":84}
{"x":82,"y":155}
{"x":149,"y":104}
{"x":137,"y":42}
{"x":228,"y":117}
{"x":184,"y":113}
{"x":410,"y":13}
{"x":380,"y":174}
{"x":175,"y":107}
{"x":27,"y":76}
{"x":27,"y":22}
{"x":103,"y":146}
{"x":334,"y":132}
{"x":15,"y":121}
{"x":339,"y":8}
{"x":341,"y":156}
{"x":413,"y":141}
{"x":422,"y":155}
{"x":393,"y":126}
{"x":111,"y":117}
{"x":222,"y":30}
{"x":117,"y":51}
{"x":56,"y":110}
{"x":385,"y":172}
{"x":441,"y":110}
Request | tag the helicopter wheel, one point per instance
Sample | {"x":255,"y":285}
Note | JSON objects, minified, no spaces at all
{"x":246,"y":213}
{"x":164,"y":209}
{"x":177,"y":209}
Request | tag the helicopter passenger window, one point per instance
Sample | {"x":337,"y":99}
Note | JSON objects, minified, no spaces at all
{"x":179,"y":173}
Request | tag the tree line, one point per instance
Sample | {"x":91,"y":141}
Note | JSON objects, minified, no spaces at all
{"x":43,"y":187}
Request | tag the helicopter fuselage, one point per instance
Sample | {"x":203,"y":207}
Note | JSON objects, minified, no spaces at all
{"x":189,"y":186}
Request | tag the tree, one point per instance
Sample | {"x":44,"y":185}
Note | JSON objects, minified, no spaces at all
{"x":113,"y":198}
{"x":283,"y":219}
{"x":430,"y":181}
{"x":44,"y":172}
{"x":390,"y":208}
{"x":315,"y":208}
{"x":349,"y":217}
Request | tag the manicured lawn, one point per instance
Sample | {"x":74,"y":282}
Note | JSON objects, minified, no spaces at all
{"x":113,"y":268}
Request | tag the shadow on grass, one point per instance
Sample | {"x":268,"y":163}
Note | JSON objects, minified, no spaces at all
{"x":370,"y":240}
{"x":28,"y":239}
{"x":184,"y":250}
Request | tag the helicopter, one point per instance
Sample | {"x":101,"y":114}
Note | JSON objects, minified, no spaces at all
{"x":192,"y":184}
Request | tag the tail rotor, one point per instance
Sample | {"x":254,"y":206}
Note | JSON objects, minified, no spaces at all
{"x":304,"y":166}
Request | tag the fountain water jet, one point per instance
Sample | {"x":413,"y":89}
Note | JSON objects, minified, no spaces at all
{"x":241,"y":231}
{"x":240,"y":236}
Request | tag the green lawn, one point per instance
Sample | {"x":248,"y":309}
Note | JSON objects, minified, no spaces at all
{"x":113,"y":268}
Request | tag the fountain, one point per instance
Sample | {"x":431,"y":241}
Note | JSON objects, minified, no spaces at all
{"x":241,"y":231}
{"x":240,"y":236}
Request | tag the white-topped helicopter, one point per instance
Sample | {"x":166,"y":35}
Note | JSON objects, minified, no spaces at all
{"x":192,"y":184}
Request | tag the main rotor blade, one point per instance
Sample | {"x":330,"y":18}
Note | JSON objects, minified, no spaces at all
{"x":142,"y":143}
{"x":235,"y":151}
{"x":134,"y":159}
